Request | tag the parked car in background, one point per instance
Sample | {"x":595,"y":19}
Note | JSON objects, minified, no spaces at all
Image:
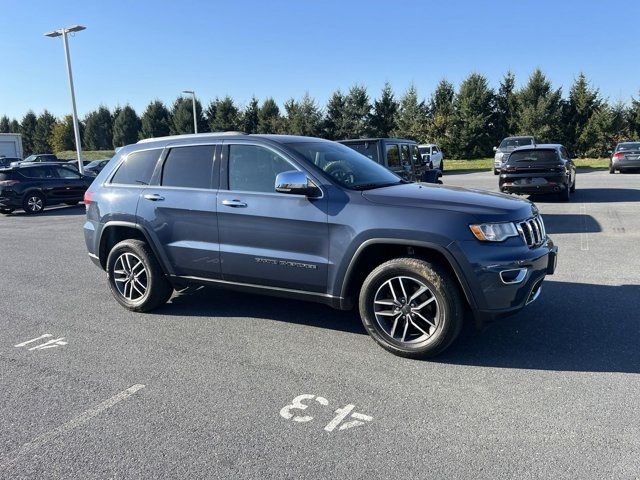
{"x":74,"y":163}
{"x":307,"y":218}
{"x":545,"y":168}
{"x":7,"y":161}
{"x":432,"y":155}
{"x":95,"y":167}
{"x":39,"y":158}
{"x":507,"y":146}
{"x":35,"y":186}
{"x":399,"y":155}
{"x":626,"y":156}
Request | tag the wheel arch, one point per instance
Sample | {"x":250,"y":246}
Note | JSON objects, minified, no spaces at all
{"x":373,"y":252}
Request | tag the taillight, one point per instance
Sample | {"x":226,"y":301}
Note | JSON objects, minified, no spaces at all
{"x":88,"y":197}
{"x":618,"y":155}
{"x":8,"y":183}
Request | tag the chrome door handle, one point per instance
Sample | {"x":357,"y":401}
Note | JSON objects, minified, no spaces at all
{"x":234,"y":203}
{"x":154,"y":197}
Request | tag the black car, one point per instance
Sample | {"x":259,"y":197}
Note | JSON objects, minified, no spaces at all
{"x":32,"y":187}
{"x":535,"y":169}
{"x":399,"y":155}
{"x":95,"y":167}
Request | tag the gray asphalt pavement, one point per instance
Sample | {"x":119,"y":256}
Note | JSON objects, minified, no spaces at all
{"x":199,"y":388}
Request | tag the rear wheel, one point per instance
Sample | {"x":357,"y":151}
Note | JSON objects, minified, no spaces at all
{"x":442,"y":166}
{"x":611,"y":169}
{"x":411,"y":307}
{"x":33,"y":203}
{"x":565,"y":194}
{"x":430,"y":165}
{"x":496,"y":171}
{"x":135,"y":277}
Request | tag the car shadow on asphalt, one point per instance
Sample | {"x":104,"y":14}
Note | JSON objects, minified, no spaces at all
{"x":592,"y":195}
{"x":63,"y":211}
{"x":571,"y":327}
{"x":570,"y":223}
{"x":208,"y":301}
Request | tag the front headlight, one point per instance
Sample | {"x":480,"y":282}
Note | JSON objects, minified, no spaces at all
{"x":494,"y":232}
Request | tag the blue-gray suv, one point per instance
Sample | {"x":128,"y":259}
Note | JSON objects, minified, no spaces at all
{"x":312,"y":219}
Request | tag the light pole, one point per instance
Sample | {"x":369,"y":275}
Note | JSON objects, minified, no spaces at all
{"x":63,"y":32}
{"x":195,"y":119}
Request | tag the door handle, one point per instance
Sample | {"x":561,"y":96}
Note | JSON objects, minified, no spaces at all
{"x":234,"y":203}
{"x":154,"y":197}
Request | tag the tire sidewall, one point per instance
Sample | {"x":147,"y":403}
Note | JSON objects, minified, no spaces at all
{"x":25,"y":202}
{"x":134,"y":248}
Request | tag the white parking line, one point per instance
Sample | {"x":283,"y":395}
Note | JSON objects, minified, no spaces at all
{"x":66,"y":427}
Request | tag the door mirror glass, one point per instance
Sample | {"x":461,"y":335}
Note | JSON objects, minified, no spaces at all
{"x":296,"y":183}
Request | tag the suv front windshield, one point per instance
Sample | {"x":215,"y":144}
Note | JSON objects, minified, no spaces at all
{"x":509,"y":143}
{"x":30,"y":158}
{"x":347,"y":167}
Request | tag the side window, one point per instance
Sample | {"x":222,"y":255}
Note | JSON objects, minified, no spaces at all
{"x":415,"y":154}
{"x":38,"y":172}
{"x":564,"y":153}
{"x":254,"y":169}
{"x":67,"y":173}
{"x":406,"y":157}
{"x":137,"y":168}
{"x":393,"y":156}
{"x":189,"y":167}
{"x":435,"y":149}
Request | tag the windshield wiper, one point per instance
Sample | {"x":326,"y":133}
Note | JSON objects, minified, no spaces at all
{"x":371,"y":186}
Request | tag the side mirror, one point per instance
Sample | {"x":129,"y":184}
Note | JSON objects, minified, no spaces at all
{"x":296,"y":183}
{"x":495,"y":149}
{"x":610,"y":152}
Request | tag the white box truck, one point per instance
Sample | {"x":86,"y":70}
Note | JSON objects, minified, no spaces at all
{"x":11,"y":145}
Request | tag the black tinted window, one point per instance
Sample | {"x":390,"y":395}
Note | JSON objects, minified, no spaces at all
{"x":38,"y":172}
{"x":539,"y":156}
{"x":137,"y":168}
{"x":254,"y":169}
{"x":189,"y":167}
{"x":368,"y":149}
{"x":67,"y":173}
{"x":393,"y":156}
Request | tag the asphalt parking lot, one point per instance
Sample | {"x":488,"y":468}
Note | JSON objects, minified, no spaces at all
{"x":199,"y":389}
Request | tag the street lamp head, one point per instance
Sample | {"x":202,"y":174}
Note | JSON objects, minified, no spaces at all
{"x":75,"y":28}
{"x":72,"y":28}
{"x":55,"y":33}
{"x":188,"y":91}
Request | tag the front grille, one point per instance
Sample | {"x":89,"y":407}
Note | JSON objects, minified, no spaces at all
{"x":532,"y":231}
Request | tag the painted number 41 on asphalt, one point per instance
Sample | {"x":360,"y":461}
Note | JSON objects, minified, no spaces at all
{"x":355,"y":419}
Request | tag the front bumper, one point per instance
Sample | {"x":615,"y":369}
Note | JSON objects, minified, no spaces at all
{"x":494,"y":274}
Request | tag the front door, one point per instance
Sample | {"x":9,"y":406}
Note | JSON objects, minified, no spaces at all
{"x":269,"y":238}
{"x":72,"y":186}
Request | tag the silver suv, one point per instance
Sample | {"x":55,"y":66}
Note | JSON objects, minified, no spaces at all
{"x":505,"y":148}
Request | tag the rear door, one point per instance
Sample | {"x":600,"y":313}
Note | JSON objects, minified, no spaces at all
{"x":407,"y":163}
{"x":72,"y":185}
{"x":269,"y":238}
{"x":179,"y":210}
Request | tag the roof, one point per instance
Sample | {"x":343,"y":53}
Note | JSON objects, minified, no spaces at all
{"x":540,"y":146}
{"x":235,"y":135}
{"x":375,"y":139}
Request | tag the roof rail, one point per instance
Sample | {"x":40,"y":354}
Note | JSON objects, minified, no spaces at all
{"x":192,"y":135}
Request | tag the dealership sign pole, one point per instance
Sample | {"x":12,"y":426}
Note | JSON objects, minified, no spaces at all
{"x":63,"y":32}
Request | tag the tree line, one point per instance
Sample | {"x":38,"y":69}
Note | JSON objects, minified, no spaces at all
{"x":466,"y":122}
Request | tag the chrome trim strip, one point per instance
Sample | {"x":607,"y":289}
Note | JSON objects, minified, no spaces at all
{"x":252,"y":285}
{"x":522,"y":273}
{"x":535,"y":295}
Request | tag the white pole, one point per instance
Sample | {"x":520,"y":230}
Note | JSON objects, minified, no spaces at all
{"x":76,"y":128}
{"x":195,"y":120}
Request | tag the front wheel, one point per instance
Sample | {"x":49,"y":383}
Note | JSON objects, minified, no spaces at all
{"x":33,"y":203}
{"x":411,"y":307}
{"x":135,"y":277}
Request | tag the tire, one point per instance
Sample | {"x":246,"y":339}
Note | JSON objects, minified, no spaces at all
{"x":496,"y":172}
{"x":33,"y":203}
{"x":149,"y":290}
{"x":446,"y":311}
{"x":611,"y":169}
{"x":565,"y":194}
{"x":442,"y":166}
{"x":573,"y":187}
{"x":430,"y":165}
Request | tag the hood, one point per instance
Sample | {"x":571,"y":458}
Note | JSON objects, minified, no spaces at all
{"x":485,"y":206}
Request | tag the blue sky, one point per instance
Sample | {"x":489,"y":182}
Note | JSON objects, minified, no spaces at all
{"x":136,"y":51}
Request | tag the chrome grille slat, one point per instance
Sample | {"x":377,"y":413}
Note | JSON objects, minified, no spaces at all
{"x":533,"y":231}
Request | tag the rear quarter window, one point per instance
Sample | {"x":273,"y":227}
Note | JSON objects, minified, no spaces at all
{"x":137,"y":168}
{"x":368,"y":149}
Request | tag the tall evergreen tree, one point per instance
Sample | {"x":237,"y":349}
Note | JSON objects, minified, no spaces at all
{"x":382,"y":120}
{"x":14,"y":126}
{"x":506,"y":108}
{"x":633,"y":118}
{"x":98,"y":130}
{"x":249,"y":118}
{"x":62,"y":137}
{"x":223,"y":115}
{"x":28,"y":131}
{"x":126,"y":127}
{"x":411,"y":120}
{"x":473,"y":118}
{"x":155,"y":121}
{"x":182,"y":117}
{"x":269,"y":119}
{"x":583,"y":102}
{"x":4,"y":124}
{"x":333,"y":125}
{"x":440,"y":115}
{"x":303,"y":117}
{"x":540,"y":109}
{"x":357,"y":109}
{"x":43,"y":131}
